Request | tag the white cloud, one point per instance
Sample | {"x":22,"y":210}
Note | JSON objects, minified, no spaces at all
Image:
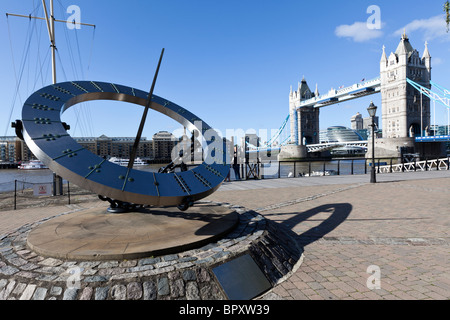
{"x":358,"y":31}
{"x":432,"y":28}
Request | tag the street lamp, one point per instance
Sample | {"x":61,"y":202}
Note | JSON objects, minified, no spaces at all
{"x":372,"y":109}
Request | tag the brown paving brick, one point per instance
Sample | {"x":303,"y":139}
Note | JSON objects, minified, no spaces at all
{"x":357,"y":295}
{"x":402,"y":295}
{"x":300,"y":285}
{"x":297,"y":294}
{"x":417,"y":295}
{"x":315,"y":285}
{"x":329,"y":285}
{"x":436,"y":296}
{"x":340,"y":294}
{"x":281,"y":291}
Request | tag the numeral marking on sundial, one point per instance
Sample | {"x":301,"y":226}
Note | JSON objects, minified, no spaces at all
{"x":115,"y":88}
{"x":76,"y":85}
{"x":212,"y":170}
{"x":50,"y":96}
{"x":97,"y":86}
{"x":183,"y":185}
{"x":68,"y":153}
{"x":201,"y":179}
{"x":65,"y":91}
{"x":95,"y":169}
{"x":41,"y":107}
{"x":156,"y":183}
{"x":50,"y":137}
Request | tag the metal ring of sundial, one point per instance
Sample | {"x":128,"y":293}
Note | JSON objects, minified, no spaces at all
{"x":45,"y":135}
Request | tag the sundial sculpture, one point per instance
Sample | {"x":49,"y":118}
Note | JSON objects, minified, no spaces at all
{"x":124,"y":187}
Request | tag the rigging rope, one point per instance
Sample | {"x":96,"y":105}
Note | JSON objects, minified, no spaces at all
{"x":83,"y":121}
{"x":30,"y":31}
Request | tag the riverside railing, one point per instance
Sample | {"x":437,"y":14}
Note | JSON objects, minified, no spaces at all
{"x":327,"y":167}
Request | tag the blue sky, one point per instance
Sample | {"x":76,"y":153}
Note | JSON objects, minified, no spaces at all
{"x":231,"y":63}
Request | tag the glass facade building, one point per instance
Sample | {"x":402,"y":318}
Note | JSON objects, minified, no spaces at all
{"x":342,"y":134}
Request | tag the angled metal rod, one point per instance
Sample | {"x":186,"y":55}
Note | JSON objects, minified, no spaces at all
{"x":56,"y":20}
{"x":144,"y":116}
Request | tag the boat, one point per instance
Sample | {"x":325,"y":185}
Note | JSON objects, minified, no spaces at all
{"x":322,"y":173}
{"x":32,"y":165}
{"x":124,"y":162}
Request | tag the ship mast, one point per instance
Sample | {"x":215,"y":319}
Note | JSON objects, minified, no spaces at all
{"x":51,"y":34}
{"x":50,"y":20}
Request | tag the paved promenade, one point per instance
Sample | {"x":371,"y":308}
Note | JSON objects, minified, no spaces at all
{"x":396,"y":229}
{"x":388,"y":240}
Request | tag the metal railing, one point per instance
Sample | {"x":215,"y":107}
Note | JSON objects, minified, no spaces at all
{"x":343,"y":166}
{"x":423,"y":165}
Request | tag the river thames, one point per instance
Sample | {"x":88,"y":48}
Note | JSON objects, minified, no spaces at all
{"x":268,"y":171}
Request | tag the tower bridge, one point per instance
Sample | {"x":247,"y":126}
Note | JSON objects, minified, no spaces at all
{"x":405,"y":86}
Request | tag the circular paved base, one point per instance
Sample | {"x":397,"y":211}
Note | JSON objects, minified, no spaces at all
{"x":98,"y":235}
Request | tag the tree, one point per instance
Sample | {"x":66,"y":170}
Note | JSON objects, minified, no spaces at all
{"x":447,"y":11}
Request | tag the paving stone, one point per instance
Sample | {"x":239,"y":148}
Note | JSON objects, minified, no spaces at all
{"x":101,"y":293}
{"x":87,"y":293}
{"x":70,"y":294}
{"x":177,"y":288}
{"x":145,"y":261}
{"x":39,"y":294}
{"x":150,"y":290}
{"x":55,"y":291}
{"x":192,"y":292}
{"x":119,"y":292}
{"x":51,"y":262}
{"x":170,"y":257}
{"x":163,"y":286}
{"x":28,"y":292}
{"x":134,"y":291}
{"x":18,"y":290}
{"x":108,"y":264}
{"x":189,"y":275}
{"x":4,"y":294}
{"x":96,"y":279}
{"x":3,"y":283}
{"x":8,"y":270}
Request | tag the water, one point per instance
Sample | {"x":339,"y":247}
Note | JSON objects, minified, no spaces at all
{"x":7,"y":177}
{"x":269,"y":171}
{"x":287,"y":169}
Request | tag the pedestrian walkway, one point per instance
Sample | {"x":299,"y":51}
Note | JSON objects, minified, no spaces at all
{"x":388,"y":240}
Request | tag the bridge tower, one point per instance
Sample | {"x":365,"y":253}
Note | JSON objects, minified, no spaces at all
{"x":405,"y":112}
{"x":304,"y":123}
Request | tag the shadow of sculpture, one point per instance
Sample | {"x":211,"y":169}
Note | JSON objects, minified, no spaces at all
{"x":338,"y":214}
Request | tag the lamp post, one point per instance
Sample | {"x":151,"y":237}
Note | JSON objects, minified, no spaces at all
{"x":372,"y":109}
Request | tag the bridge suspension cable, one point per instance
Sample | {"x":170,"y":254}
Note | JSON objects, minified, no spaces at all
{"x":443,"y":97}
{"x":444,"y":91}
{"x":280,"y":130}
{"x":270,"y":142}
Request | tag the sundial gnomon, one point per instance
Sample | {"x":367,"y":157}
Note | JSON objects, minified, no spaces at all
{"x":46,"y":136}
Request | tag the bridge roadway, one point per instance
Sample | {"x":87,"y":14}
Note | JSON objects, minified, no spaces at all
{"x":346,"y":226}
{"x":334,"y":96}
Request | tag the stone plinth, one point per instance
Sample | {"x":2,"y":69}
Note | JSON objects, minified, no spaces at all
{"x":27,"y":275}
